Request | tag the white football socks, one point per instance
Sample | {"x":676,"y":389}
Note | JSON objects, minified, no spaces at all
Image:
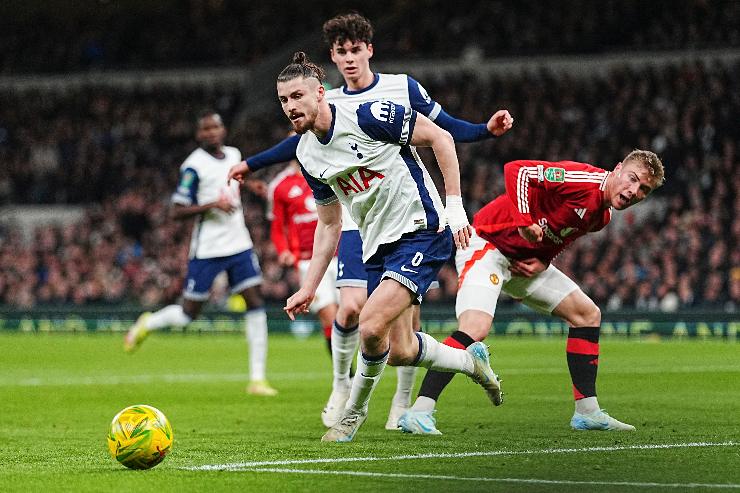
{"x":424,"y":403}
{"x":344,"y":345}
{"x":440,"y":357}
{"x":366,"y":379}
{"x":169,"y":316}
{"x":405,"y":384}
{"x":256,"y":329}
{"x":587,"y":405}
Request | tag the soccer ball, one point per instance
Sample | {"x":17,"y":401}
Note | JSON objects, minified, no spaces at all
{"x":140,"y":436}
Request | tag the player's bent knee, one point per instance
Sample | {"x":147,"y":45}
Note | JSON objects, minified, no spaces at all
{"x":588,"y":315}
{"x":578,"y":310}
{"x":475,"y":323}
{"x":595,"y":316}
{"x":373,"y":342}
{"x":351,"y":303}
{"x":347,"y":320}
{"x":351,"y":308}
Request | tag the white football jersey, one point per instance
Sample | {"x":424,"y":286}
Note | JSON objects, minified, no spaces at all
{"x":366,"y":162}
{"x":399,"y":88}
{"x":202,"y":180}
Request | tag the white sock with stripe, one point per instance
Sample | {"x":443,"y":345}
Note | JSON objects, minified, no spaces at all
{"x":437,"y":356}
{"x":344,"y":344}
{"x":366,"y":379}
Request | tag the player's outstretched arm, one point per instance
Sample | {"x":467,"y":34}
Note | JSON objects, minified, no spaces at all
{"x":464,"y":131}
{"x":427,"y":134}
{"x":326,"y":239}
{"x":282,"y":152}
{"x":461,"y":130}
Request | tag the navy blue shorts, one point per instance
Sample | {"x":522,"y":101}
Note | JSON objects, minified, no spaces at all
{"x":242,"y":269}
{"x":350,"y":269}
{"x":414,"y":260}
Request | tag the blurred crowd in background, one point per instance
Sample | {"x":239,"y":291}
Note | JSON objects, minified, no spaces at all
{"x":118,"y":151}
{"x":171,"y":33}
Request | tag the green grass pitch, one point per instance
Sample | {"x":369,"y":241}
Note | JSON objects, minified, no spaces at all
{"x":59,"y":392}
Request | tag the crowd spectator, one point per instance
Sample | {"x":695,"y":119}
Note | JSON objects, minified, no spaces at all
{"x":495,"y":28}
{"x":122,"y":151}
{"x":127,"y":34}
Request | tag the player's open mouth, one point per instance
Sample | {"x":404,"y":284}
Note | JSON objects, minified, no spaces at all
{"x":624,"y":199}
{"x":295,"y":117}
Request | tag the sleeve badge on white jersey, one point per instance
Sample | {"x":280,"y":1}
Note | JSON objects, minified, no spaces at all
{"x":383,"y":111}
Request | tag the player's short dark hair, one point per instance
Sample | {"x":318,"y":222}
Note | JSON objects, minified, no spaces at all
{"x":301,"y":66}
{"x":347,"y":27}
{"x":206,"y":113}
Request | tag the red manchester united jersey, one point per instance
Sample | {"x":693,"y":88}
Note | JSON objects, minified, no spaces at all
{"x":292,"y":209}
{"x":565,"y":199}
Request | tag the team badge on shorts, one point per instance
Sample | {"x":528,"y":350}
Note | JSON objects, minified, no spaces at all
{"x":494,"y":279}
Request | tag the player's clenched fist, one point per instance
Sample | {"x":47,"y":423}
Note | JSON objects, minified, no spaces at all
{"x":500,"y":123}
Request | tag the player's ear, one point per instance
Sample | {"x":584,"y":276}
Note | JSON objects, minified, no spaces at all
{"x":370,"y":49}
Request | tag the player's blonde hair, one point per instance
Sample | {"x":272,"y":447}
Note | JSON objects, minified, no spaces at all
{"x":301,"y":66}
{"x":650,"y":161}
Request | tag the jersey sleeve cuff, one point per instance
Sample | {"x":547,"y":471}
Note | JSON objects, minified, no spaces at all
{"x":327,"y":201}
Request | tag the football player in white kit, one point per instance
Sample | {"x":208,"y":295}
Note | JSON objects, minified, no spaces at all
{"x":220,"y":242}
{"x":363,"y":157}
{"x":349,"y":38}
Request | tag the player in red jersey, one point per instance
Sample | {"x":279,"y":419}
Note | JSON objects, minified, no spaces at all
{"x":546,"y":207}
{"x":292,"y":210}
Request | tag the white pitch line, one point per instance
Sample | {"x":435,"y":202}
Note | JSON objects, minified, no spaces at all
{"x":58,"y":381}
{"x":239,"y":466}
{"x":498,"y":480}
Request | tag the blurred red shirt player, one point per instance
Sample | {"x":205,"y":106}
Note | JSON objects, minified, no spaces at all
{"x":292,"y":210}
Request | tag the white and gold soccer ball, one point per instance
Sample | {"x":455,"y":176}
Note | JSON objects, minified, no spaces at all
{"x":140,"y":437}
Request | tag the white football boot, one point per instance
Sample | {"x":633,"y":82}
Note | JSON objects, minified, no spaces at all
{"x":598,"y":420}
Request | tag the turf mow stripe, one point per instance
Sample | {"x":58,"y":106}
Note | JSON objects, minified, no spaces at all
{"x":497,"y":480}
{"x":72,"y":380}
{"x":75,"y":380}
